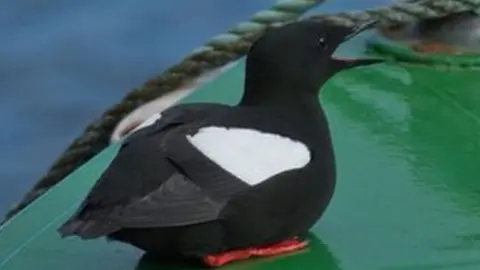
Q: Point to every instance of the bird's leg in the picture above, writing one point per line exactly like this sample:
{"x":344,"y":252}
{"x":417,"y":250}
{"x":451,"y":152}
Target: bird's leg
{"x":286,"y":246}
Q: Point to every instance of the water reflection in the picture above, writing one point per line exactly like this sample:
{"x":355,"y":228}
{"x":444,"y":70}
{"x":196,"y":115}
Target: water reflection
{"x":430,"y":120}
{"x":407,"y":147}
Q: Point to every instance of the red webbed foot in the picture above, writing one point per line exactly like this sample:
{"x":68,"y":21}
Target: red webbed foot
{"x":287,"y":246}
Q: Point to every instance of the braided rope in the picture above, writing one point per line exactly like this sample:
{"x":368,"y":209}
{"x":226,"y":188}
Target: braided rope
{"x":217,"y":52}
{"x":404,"y":12}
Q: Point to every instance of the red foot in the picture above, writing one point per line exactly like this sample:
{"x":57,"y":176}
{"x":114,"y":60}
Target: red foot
{"x":221,"y":259}
{"x":283,"y":247}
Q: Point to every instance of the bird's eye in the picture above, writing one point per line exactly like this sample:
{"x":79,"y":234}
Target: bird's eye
{"x":321,"y":43}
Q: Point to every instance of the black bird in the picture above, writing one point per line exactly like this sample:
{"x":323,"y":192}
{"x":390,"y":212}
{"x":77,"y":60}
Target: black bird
{"x":222,"y":183}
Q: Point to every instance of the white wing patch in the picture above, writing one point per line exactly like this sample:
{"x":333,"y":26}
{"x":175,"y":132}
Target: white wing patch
{"x":250,"y":155}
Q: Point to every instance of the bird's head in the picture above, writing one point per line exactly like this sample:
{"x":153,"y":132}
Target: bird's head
{"x":302,"y":52}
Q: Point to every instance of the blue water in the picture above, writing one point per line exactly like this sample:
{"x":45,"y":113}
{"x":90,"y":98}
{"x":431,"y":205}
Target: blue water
{"x":62,"y":63}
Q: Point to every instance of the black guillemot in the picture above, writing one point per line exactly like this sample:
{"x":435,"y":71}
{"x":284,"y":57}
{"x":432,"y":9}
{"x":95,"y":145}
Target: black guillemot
{"x":223,"y":183}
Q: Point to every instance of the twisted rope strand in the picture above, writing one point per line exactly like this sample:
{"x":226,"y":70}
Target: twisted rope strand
{"x":404,"y":12}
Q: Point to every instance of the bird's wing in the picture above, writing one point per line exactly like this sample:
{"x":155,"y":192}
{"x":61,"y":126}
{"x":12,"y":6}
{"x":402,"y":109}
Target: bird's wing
{"x":235,"y":151}
{"x":176,"y":202}
{"x":140,"y":165}
{"x":187,"y":174}
{"x":140,"y":180}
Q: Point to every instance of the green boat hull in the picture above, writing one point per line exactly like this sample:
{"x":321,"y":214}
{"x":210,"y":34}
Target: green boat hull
{"x":407,"y":145}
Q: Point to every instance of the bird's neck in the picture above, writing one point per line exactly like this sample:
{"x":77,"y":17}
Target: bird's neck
{"x":302,"y":108}
{"x":278,"y":96}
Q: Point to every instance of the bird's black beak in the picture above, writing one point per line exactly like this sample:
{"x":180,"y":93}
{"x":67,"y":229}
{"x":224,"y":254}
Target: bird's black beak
{"x":347,"y":62}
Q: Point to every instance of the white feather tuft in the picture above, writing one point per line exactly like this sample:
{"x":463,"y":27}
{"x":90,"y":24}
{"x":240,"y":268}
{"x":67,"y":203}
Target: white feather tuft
{"x":250,"y":155}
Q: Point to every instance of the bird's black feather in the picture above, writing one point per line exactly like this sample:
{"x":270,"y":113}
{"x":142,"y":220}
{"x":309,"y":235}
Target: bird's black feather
{"x":162,"y":194}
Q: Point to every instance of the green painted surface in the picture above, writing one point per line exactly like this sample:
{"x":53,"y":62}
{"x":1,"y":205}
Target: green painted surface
{"x":407,"y":140}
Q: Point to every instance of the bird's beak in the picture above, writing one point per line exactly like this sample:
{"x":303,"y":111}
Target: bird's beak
{"x":347,"y":62}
